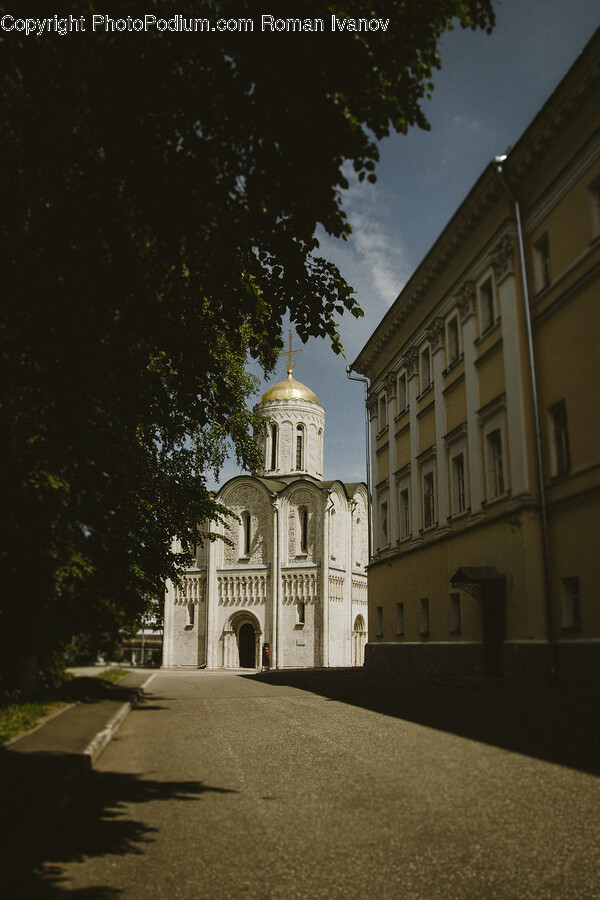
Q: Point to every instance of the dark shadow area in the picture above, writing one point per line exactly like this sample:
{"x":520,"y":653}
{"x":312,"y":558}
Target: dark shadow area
{"x":559,"y":723}
{"x":91,"y":690}
{"x":41,"y":833}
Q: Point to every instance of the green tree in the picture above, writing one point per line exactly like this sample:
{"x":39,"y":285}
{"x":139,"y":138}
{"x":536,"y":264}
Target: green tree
{"x":161,"y":193}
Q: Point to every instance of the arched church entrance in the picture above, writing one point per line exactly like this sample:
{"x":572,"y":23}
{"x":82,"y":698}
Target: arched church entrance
{"x":241,"y":641}
{"x":247,"y":646}
{"x":359,"y":639}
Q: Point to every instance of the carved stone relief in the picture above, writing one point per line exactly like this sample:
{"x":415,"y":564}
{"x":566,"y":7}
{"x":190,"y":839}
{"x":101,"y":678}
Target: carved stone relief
{"x":465,"y":300}
{"x":410,"y":361}
{"x":435,"y":334}
{"x":503,"y":258}
{"x":248,"y":499}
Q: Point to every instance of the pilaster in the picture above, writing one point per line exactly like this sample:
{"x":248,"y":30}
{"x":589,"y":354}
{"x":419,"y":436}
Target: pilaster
{"x":435,"y":333}
{"x":515,"y":377}
{"x":466,"y":305}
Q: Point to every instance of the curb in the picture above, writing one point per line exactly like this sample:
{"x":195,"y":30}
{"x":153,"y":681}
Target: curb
{"x":104,"y":737}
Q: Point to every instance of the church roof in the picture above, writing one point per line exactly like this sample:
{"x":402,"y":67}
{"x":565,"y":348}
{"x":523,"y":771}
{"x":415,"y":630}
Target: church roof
{"x":290,"y":389}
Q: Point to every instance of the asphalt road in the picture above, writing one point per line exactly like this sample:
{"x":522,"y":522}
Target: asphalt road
{"x":223,"y":786}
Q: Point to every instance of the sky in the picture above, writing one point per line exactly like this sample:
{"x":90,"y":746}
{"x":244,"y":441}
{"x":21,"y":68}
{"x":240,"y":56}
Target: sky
{"x":488,"y":90}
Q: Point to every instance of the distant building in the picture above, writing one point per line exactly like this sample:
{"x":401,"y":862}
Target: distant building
{"x":476,"y":566}
{"x":291,"y":587}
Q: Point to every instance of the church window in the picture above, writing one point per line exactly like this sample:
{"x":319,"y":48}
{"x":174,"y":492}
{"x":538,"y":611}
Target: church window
{"x":300,"y":447}
{"x":246,"y":533}
{"x":303,"y":515}
{"x":301,"y":612}
{"x":273,"y":447}
{"x":191,"y":613}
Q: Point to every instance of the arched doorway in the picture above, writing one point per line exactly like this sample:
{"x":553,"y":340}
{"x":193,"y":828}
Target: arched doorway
{"x":247,"y":646}
{"x":359,"y":639}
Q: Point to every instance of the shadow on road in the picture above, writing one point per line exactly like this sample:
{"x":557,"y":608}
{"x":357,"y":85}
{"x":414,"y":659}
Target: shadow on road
{"x":554,"y":722}
{"x":96,"y":822}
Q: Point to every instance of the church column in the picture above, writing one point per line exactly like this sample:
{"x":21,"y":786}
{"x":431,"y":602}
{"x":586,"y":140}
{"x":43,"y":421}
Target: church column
{"x":275,"y":582}
{"x":327,"y":507}
{"x":349,"y":569}
{"x":212,"y":607}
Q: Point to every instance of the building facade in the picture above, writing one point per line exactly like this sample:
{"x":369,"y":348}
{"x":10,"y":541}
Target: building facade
{"x":485,"y":418}
{"x":289,"y":588}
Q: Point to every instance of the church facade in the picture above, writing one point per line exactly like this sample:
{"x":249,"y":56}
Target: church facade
{"x":289,"y":588}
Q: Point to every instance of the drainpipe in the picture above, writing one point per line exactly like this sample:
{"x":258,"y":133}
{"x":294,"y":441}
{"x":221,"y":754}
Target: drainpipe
{"x":498,"y":164}
{"x":365,"y":381}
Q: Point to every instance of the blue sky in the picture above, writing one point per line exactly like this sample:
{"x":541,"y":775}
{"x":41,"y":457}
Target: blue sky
{"x":486,"y":93}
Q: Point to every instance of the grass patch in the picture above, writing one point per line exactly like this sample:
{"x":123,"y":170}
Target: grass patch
{"x":18,"y":717}
{"x":112,"y":675}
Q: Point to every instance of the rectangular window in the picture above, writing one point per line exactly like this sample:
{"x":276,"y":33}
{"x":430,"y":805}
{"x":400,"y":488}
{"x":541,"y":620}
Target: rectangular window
{"x":301,"y":608}
{"x":486,"y":304}
{"x":571,"y":607}
{"x":541,"y":263}
{"x":455,"y":625}
{"x":402,"y":394}
{"x":428,"y":501}
{"x":425,"y":616}
{"x":458,"y":484}
{"x":273,"y":447}
{"x":404,"y":514}
{"x":453,"y":343}
{"x":382,"y":422}
{"x":559,"y":436}
{"x":379,"y":621}
{"x":495,"y":463}
{"x":399,"y":619}
{"x":384,"y":524}
{"x":425,"y":369}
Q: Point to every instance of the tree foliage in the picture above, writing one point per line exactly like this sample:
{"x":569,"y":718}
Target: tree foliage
{"x":161,"y":193}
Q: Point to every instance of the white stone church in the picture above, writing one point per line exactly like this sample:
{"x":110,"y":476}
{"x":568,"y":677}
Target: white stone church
{"x":291,"y":590}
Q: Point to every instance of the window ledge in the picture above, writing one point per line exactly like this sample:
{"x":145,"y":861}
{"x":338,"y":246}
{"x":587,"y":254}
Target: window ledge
{"x":429,"y":528}
{"x":453,"y":517}
{"x":505,"y":496}
{"x":381,"y":432}
{"x":425,"y":391}
{"x":487,"y":331}
{"x":453,"y":364}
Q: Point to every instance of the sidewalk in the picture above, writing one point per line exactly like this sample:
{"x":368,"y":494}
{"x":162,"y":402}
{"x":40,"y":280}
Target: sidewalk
{"x":40,"y":770}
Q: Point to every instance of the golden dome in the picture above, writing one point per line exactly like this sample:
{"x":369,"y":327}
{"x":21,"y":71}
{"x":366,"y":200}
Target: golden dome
{"x":290,"y":389}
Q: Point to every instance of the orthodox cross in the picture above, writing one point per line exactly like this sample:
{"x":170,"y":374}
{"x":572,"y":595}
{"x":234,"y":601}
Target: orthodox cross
{"x":290,"y":353}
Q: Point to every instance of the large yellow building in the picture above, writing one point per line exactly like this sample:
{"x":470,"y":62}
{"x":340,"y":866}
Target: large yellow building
{"x":485,"y":418}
